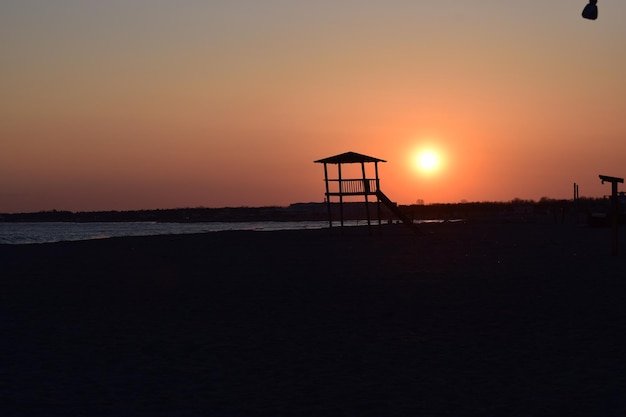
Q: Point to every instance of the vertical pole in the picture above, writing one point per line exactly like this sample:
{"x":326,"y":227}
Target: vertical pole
{"x":330,"y":216}
{"x":366,"y":190}
{"x":614,"y":209}
{"x":614,"y":217}
{"x":377,"y":189}
{"x":340,"y":194}
{"x":376,"y":172}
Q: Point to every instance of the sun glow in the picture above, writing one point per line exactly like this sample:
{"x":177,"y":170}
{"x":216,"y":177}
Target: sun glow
{"x":427,"y":161}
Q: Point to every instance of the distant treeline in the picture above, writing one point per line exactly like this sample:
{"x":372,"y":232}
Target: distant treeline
{"x":319,"y":211}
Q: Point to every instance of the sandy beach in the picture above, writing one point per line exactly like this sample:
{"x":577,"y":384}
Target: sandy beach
{"x":487,"y":318}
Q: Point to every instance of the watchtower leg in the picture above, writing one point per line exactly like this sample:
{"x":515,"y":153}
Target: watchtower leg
{"x":366,"y":190}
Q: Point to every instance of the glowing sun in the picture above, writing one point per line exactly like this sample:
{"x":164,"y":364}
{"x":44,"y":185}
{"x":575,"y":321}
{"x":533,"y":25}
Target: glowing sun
{"x":428,"y":161}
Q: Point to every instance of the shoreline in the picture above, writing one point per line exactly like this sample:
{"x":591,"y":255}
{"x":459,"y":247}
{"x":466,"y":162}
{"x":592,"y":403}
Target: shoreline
{"x":480,"y":318}
{"x":17,"y":233}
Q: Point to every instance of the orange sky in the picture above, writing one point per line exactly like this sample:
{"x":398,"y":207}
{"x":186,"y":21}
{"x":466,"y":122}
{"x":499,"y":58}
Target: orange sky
{"x":155,"y":104}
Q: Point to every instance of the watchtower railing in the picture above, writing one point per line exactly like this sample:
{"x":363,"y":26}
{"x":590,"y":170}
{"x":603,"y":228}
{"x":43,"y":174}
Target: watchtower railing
{"x":352,"y":186}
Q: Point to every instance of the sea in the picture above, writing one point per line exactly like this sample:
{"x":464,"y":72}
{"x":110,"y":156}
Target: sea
{"x":22,"y":233}
{"x":49,"y":232}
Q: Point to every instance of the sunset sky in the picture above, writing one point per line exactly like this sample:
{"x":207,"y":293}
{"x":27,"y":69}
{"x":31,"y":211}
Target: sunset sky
{"x":141,"y":104}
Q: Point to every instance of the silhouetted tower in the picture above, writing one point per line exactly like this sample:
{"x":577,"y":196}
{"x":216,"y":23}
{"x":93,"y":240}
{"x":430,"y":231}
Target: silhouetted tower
{"x":347,"y":187}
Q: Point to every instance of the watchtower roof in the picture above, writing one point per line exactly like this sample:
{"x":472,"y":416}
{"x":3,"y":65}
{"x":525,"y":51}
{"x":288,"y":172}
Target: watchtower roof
{"x":348,"y":158}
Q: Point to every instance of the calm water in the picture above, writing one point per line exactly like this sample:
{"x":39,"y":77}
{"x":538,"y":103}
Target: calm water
{"x":24,"y":233}
{"x":48,"y":232}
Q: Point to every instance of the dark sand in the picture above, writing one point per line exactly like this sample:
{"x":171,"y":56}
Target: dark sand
{"x":476,"y":319}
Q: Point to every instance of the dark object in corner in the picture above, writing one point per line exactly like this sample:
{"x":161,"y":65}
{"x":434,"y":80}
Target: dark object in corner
{"x":591,"y":10}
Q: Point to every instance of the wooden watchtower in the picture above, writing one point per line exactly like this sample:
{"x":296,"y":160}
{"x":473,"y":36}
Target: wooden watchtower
{"x":343,"y":187}
{"x":348,"y":187}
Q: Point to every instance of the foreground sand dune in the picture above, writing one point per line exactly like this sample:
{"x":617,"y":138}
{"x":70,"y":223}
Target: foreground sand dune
{"x":484,"y":319}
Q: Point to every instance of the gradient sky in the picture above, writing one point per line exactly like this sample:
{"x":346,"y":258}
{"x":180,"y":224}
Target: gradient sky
{"x":140,"y":104}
